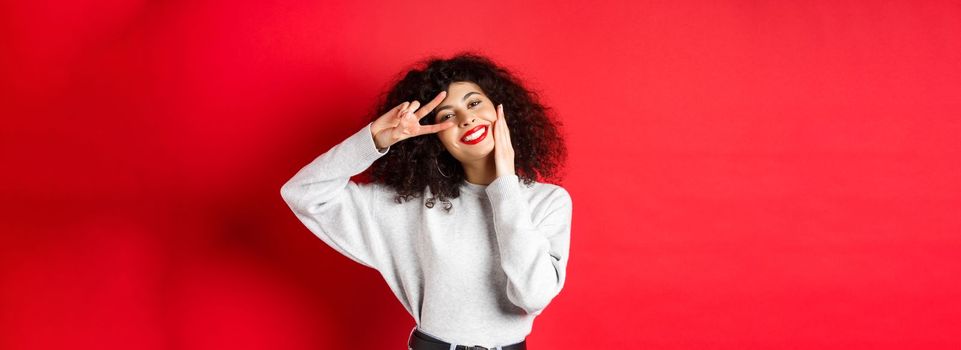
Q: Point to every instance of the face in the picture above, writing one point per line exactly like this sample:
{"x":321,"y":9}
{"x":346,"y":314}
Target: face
{"x":471,"y":139}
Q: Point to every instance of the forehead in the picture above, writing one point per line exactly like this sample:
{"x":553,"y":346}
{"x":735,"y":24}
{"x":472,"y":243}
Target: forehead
{"x":458,"y":89}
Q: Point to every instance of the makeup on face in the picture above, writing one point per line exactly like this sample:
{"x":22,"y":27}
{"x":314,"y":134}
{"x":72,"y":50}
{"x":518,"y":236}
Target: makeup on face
{"x":441,"y":115}
{"x":473,"y":112}
{"x":475,"y":135}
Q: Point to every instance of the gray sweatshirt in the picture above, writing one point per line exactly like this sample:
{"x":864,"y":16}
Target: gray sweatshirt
{"x":477,"y":275}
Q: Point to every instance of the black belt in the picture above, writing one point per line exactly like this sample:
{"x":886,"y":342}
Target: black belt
{"x":420,"y":341}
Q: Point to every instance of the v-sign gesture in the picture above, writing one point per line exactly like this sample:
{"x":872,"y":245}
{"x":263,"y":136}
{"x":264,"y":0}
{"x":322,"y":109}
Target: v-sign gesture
{"x":403,"y":122}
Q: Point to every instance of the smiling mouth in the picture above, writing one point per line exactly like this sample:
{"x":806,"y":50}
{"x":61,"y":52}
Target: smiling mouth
{"x":475,"y":135}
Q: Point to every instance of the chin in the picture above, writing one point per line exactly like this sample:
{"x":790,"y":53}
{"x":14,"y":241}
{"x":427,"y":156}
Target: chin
{"x":475,"y":156}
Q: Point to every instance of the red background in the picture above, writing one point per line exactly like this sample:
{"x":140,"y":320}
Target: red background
{"x":744,"y":174}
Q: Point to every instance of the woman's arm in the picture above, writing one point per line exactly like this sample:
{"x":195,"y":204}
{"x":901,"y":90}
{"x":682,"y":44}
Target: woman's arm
{"x":533,"y":256}
{"x":335,"y":209}
{"x":338,"y":210}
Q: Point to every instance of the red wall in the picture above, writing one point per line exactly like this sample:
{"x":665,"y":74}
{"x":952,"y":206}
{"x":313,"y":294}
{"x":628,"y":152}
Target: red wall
{"x":744,"y":174}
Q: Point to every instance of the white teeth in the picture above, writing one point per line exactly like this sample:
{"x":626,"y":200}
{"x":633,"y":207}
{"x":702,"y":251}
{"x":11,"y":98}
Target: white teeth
{"x":475,"y":134}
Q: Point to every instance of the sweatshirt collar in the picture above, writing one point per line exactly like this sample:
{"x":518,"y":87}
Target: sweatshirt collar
{"x":475,"y":189}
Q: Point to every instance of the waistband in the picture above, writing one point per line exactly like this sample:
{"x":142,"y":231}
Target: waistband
{"x":418,"y":340}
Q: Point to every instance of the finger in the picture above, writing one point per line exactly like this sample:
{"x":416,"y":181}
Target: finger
{"x":500,"y":111}
{"x":399,"y":107}
{"x":413,"y":107}
{"x":399,"y":110}
{"x":393,"y":112}
{"x":431,"y":105}
{"x":500,"y":121}
{"x":398,"y":113}
{"x":505,"y":133}
{"x":433,"y":128}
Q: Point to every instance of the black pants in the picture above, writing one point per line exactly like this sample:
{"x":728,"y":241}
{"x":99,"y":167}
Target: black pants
{"x":420,"y":341}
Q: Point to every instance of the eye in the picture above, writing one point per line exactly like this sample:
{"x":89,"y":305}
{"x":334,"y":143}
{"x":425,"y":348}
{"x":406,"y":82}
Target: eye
{"x":473,"y":103}
{"x":443,"y":118}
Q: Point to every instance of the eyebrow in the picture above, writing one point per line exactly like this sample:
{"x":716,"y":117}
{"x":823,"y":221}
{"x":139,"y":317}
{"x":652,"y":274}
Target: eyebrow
{"x":462,"y":99}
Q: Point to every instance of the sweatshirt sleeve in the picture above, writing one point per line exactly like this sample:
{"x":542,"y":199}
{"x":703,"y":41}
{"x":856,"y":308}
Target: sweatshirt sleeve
{"x":533,"y":255}
{"x":332,"y":207}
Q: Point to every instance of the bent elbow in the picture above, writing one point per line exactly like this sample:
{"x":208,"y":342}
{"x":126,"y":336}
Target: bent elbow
{"x":289,"y":192}
{"x":534,"y":308}
{"x":532,"y":303}
{"x":285,"y":192}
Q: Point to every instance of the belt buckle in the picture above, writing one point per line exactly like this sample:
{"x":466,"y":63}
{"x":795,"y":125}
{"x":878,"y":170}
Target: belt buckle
{"x":477,"y":347}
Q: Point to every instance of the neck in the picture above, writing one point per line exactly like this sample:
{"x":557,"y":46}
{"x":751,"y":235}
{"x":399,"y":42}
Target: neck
{"x":481,"y":171}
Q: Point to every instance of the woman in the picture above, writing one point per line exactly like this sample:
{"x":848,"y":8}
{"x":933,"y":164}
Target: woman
{"x":477,"y":270}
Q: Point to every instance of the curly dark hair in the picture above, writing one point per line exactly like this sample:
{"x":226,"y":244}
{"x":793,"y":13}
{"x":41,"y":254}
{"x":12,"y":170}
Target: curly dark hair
{"x":412,"y":165}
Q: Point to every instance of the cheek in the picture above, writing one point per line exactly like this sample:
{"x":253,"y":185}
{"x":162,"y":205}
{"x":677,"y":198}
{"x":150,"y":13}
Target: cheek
{"x":447,"y":137}
{"x":488,"y":112}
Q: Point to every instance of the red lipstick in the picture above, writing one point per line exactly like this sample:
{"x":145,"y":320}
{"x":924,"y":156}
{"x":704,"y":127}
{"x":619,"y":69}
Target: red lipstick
{"x":473,"y":130}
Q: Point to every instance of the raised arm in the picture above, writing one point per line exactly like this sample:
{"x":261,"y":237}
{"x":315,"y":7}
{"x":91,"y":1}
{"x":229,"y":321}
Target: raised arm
{"x":533,"y":254}
{"x":335,"y":209}
{"x":338,"y":210}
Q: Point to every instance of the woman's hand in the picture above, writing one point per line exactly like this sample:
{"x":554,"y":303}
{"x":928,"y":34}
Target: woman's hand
{"x":403,"y":122}
{"x":503,"y":150}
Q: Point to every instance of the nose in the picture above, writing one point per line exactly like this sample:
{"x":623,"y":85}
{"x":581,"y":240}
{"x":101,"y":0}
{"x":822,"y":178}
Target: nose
{"x":468,"y":118}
